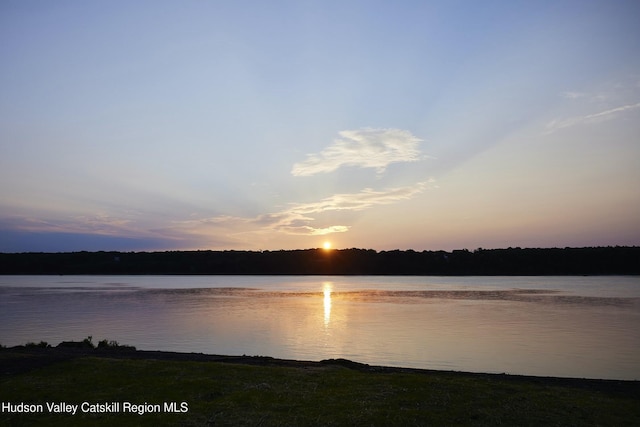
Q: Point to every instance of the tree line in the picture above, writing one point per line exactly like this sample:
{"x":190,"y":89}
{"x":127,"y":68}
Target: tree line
{"x":510,"y":261}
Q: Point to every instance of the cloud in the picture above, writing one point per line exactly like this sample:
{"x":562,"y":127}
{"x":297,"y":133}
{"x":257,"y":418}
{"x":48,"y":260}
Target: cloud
{"x":358,"y":201}
{"x":558,"y":124}
{"x":299,"y":218}
{"x":584,"y":96}
{"x":98,"y":224}
{"x":366,"y":148}
{"x":45,"y":241}
{"x":89,"y":233}
{"x":308,"y":230}
{"x":291,"y":220}
{"x":573,"y":95}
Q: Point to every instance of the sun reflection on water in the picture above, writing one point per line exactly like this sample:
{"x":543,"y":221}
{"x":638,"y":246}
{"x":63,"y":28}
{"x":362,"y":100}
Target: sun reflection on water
{"x":327,"y":287}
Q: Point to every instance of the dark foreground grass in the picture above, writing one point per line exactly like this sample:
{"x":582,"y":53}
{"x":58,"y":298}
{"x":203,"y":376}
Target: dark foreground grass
{"x":302,"y":394}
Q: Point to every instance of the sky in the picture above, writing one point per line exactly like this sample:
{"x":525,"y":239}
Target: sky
{"x":249,"y":125}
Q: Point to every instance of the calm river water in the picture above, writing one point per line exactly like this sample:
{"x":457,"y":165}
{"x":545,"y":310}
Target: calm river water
{"x":550,"y":326}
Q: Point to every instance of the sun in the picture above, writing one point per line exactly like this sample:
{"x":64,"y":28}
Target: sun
{"x":326,"y":245}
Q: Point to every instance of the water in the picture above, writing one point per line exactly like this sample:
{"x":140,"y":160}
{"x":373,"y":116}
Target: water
{"x":550,"y":326}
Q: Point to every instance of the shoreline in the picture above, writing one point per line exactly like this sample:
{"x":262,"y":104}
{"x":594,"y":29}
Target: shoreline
{"x":91,"y":386}
{"x":21,"y":359}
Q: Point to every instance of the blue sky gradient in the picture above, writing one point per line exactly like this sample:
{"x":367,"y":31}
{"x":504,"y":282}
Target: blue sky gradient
{"x":155,"y":125}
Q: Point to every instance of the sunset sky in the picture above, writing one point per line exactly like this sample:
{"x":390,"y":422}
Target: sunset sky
{"x":163,"y":125}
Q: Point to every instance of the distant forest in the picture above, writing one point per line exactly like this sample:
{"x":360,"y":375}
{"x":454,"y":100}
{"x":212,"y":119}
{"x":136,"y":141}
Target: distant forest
{"x":511,"y":261}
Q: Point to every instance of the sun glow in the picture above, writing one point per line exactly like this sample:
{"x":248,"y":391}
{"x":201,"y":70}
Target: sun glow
{"x":326,"y":245}
{"x":327,"y":288}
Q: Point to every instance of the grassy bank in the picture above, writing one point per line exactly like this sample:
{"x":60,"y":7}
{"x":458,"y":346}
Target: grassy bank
{"x":268,"y":392}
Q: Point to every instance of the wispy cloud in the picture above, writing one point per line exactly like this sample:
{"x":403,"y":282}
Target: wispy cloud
{"x":558,"y":124}
{"x":300,"y":218}
{"x":99,"y":224}
{"x":585,"y":96}
{"x":573,"y":95}
{"x":103,"y":223}
{"x":289,"y":220}
{"x":366,"y":148}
